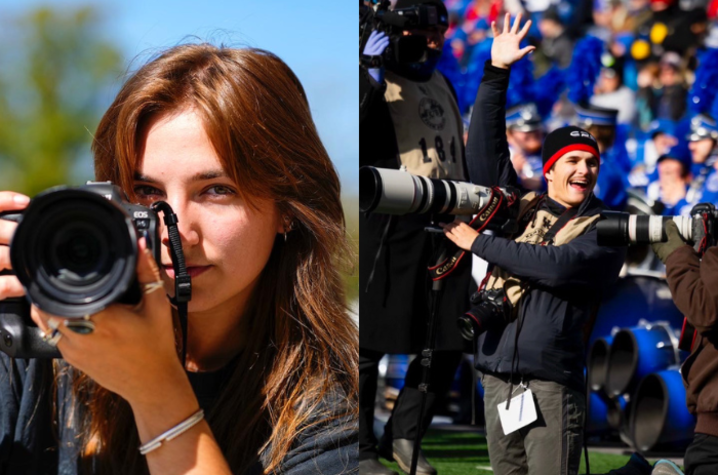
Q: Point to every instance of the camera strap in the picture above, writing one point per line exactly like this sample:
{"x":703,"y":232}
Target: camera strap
{"x":183,"y":281}
{"x":565,"y":217}
{"x":547,"y":239}
{"x":496,"y":201}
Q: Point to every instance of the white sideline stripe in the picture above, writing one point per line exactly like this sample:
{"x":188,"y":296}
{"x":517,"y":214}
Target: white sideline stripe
{"x":488,"y":469}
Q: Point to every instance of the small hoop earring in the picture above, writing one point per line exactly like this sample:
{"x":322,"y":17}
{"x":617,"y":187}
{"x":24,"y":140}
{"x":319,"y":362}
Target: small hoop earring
{"x":288,"y":226}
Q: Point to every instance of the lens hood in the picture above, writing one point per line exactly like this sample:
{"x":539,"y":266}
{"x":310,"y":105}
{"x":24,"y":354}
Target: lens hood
{"x":74,"y":251}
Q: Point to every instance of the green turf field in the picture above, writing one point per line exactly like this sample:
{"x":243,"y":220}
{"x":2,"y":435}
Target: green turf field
{"x":460,"y":453}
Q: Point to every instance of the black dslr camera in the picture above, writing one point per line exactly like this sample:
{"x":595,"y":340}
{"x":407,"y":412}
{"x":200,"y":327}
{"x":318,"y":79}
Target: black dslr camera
{"x":402,"y":49}
{"x":75,"y":252}
{"x":490,"y":309}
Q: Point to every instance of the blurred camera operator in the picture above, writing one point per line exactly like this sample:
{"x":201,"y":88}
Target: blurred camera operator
{"x":551,"y":272}
{"x":694,"y":286}
{"x":409,"y":117}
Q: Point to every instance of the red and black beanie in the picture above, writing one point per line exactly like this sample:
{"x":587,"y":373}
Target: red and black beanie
{"x":567,"y":139}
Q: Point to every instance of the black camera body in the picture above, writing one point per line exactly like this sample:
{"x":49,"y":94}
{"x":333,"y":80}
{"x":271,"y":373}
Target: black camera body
{"x":402,"y":49}
{"x":490,"y":309}
{"x":75,"y":252}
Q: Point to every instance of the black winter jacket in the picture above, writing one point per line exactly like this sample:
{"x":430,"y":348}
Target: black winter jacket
{"x":565,"y":282}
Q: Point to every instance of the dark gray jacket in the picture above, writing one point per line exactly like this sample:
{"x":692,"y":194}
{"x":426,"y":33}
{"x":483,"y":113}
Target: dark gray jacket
{"x":565,"y":282}
{"x":31,"y":443}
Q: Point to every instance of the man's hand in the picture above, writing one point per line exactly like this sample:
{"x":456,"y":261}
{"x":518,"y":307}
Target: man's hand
{"x":506,"y":49}
{"x":665,"y":249}
{"x":460,"y":234}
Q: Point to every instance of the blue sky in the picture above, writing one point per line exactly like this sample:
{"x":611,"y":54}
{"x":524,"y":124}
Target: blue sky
{"x":316,"y":39}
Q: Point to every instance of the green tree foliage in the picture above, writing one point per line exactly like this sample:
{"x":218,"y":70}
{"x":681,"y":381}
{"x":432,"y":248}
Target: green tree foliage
{"x":56,"y":72}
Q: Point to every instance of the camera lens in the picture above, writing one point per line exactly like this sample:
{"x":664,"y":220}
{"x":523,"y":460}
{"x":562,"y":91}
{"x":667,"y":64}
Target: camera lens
{"x":612,"y":229}
{"x":466,"y":328}
{"x":619,"y":229}
{"x":389,"y":191}
{"x":78,"y":255}
{"x":74,"y":251}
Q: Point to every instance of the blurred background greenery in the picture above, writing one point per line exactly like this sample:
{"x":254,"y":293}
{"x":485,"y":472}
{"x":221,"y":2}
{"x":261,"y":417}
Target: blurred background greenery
{"x":51,"y":86}
{"x":64,"y":61}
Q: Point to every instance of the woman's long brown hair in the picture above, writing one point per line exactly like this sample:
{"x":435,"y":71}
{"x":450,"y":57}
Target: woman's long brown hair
{"x":303,"y":345}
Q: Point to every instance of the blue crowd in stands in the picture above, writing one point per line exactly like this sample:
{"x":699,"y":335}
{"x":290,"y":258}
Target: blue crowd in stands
{"x":640,"y":75}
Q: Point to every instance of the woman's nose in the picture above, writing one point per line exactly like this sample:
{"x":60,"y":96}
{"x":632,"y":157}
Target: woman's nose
{"x":186,"y":224}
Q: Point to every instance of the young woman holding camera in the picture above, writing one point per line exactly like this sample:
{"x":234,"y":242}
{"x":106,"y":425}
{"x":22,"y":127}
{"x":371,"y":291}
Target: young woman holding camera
{"x":225,"y":136}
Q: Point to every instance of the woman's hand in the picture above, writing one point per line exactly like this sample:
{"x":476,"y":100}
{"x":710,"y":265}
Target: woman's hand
{"x":9,"y":201}
{"x":506,"y":48}
{"x":131,"y":351}
{"x":460,"y":234}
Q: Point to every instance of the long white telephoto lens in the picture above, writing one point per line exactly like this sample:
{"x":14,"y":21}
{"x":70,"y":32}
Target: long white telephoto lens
{"x":620,"y":229}
{"x":648,"y":229}
{"x":388,"y":191}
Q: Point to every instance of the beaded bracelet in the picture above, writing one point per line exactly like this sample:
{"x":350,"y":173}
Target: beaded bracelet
{"x":180,"y":428}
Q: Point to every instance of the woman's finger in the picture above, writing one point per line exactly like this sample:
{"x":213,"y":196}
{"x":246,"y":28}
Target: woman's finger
{"x":37,"y":318}
{"x":148,"y":274}
{"x":9,"y":200}
{"x":49,"y":323}
{"x":507,"y":22}
{"x":494,"y":29}
{"x":147,"y":269}
{"x":56,"y":326}
{"x":7,"y":229}
{"x":5,"y":258}
{"x":10,"y":287}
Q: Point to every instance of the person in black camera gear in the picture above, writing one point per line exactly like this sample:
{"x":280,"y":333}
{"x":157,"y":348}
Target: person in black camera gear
{"x":409,"y":117}
{"x":552,"y":271}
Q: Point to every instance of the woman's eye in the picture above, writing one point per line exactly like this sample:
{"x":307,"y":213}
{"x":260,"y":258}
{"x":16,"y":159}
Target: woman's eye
{"x":220,"y":190}
{"x":145,"y":191}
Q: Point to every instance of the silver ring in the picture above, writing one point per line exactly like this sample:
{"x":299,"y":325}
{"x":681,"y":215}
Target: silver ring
{"x":82,"y":327}
{"x":152,"y":286}
{"x":52,"y":338}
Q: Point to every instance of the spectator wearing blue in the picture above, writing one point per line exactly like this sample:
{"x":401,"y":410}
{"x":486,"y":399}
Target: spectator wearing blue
{"x":524,"y":132}
{"x":671,"y":187}
{"x":612,"y":181}
{"x":658,"y":140}
{"x":702,"y":144}
{"x":610,"y":92}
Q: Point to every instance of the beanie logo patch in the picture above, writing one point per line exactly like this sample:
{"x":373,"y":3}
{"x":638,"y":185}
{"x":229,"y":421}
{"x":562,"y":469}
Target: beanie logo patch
{"x":581,"y":133}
